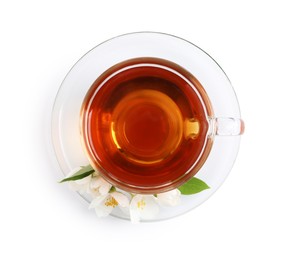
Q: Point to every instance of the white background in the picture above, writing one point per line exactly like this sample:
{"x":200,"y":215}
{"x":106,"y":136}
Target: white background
{"x":249,"y":217}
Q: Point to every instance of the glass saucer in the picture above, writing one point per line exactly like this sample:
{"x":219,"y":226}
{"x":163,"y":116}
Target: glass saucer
{"x":66,"y":111}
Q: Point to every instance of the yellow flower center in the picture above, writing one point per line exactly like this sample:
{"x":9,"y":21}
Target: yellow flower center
{"x":141,"y":204}
{"x":111,"y":202}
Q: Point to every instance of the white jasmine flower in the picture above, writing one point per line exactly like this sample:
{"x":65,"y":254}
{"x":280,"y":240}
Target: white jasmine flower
{"x":81,"y":185}
{"x":143,"y":207}
{"x":104,"y":204}
{"x":98,"y":186}
{"x":93,"y":184}
{"x":169,"y":198}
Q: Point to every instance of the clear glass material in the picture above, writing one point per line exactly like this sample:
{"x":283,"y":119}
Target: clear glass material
{"x":225,"y":122}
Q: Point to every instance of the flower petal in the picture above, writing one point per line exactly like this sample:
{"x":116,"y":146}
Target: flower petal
{"x":95,"y":182}
{"x":81,"y":186}
{"x":102,"y":210}
{"x":151,"y":209}
{"x":104,"y":186}
{"x":134,"y":216}
{"x":121,"y":199}
{"x":97,"y":201}
{"x":169,"y":198}
{"x":143,"y":207}
{"x":74,"y":186}
{"x":98,"y":186}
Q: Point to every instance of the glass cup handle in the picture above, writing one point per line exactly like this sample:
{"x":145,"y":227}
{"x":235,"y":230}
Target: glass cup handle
{"x":226,"y":126}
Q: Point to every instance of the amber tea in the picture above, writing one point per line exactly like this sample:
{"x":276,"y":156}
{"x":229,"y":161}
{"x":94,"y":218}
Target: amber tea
{"x":144,"y":125}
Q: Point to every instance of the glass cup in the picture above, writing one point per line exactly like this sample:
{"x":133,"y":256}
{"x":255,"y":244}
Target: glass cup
{"x":148,"y":125}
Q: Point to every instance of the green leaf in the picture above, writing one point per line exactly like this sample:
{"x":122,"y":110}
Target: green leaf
{"x":193,"y":186}
{"x":82,"y":173}
{"x":112,"y":189}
